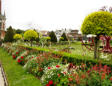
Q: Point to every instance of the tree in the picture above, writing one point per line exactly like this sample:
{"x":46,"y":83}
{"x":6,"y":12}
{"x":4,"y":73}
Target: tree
{"x":9,"y":35}
{"x":17,"y":36}
{"x":53,"y":36}
{"x":30,"y":35}
{"x":64,"y":38}
{"x":97,"y":23}
{"x":19,"y":31}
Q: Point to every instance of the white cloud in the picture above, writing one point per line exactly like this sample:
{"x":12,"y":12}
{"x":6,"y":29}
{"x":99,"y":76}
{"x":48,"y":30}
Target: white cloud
{"x":50,"y":14}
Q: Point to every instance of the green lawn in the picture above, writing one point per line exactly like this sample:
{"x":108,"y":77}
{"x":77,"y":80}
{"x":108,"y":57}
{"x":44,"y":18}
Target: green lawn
{"x":78,"y":50}
{"x":15,"y":73}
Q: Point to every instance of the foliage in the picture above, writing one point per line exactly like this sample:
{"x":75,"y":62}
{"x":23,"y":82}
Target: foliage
{"x":15,"y":54}
{"x":9,"y":35}
{"x":17,"y":36}
{"x":61,"y":38}
{"x":32,"y":66}
{"x":21,"y":58}
{"x":53,"y":36}
{"x":19,"y":31}
{"x":71,"y":57}
{"x":55,"y":73}
{"x":98,"y":23}
{"x":66,"y":71}
{"x":30,"y":35}
{"x":16,"y":76}
{"x":48,"y":38}
{"x":64,"y":37}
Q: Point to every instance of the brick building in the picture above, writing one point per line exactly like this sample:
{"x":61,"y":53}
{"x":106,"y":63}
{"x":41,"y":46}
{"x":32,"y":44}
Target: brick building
{"x":2,"y":22}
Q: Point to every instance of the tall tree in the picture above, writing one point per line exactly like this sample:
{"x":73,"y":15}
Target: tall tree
{"x":19,"y":31}
{"x":30,"y":35}
{"x":9,"y":35}
{"x":97,"y":23}
{"x":53,"y":36}
{"x":64,"y":37}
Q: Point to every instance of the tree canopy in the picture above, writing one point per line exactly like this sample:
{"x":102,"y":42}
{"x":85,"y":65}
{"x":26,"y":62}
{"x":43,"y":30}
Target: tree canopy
{"x":53,"y":36}
{"x":17,"y":36}
{"x":63,"y":37}
{"x":98,"y":23}
{"x":30,"y":35}
{"x":19,"y":31}
{"x":9,"y":35}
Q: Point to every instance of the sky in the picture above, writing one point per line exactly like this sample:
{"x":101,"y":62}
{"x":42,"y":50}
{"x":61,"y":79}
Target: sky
{"x":49,"y":14}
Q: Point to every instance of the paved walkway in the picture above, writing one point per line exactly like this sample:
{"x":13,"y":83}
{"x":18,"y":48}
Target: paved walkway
{"x":1,"y":78}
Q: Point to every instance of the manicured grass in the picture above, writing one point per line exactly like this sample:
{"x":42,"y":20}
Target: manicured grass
{"x":15,"y":73}
{"x":78,"y":49}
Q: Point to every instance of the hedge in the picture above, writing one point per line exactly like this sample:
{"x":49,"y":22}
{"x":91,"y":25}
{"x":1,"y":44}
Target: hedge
{"x":71,"y":58}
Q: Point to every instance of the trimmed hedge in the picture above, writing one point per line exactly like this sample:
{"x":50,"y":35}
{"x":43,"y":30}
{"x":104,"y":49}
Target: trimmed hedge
{"x":71,"y":58}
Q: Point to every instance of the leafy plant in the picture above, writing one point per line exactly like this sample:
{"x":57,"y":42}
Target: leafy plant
{"x":30,"y":35}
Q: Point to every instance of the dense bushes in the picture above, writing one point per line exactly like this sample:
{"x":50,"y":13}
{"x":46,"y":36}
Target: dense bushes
{"x":54,"y":69}
{"x":9,"y":35}
{"x":70,"y":57}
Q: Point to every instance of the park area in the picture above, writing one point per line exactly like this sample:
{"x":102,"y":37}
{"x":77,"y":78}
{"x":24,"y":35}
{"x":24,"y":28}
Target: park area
{"x":30,"y":59}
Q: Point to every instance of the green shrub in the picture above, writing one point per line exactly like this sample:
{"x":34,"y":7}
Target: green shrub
{"x":30,"y":35}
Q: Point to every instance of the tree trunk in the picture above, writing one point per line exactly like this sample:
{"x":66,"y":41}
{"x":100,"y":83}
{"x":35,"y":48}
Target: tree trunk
{"x":96,"y":52}
{"x":31,"y":43}
{"x":107,"y":47}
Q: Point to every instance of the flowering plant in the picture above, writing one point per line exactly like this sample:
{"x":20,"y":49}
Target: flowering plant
{"x":32,"y":66}
{"x":57,"y":74}
{"x":21,"y":58}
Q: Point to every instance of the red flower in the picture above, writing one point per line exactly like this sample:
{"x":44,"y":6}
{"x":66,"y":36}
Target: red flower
{"x":57,"y":66}
{"x":47,"y":85}
{"x":37,"y":57}
{"x":50,"y":82}
{"x":16,"y":52}
{"x":19,"y":60}
{"x":32,"y":57}
{"x":13,"y":56}
{"x":83,"y":76}
{"x":58,"y":75}
{"x":110,"y":78}
{"x":88,"y":71}
{"x":103,"y":76}
{"x":70,"y":79}
{"x":64,"y":72}
{"x":49,"y":67}
{"x":22,"y":57}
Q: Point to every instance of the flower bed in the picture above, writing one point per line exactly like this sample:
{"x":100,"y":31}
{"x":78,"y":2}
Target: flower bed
{"x":53,"y":71}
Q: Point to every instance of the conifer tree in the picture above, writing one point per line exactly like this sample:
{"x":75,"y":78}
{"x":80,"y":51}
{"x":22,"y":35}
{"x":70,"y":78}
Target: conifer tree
{"x":64,"y":37}
{"x":9,"y":35}
{"x":53,"y":36}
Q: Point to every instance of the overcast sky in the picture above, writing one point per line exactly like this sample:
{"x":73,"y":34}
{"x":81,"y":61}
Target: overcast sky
{"x":49,"y":14}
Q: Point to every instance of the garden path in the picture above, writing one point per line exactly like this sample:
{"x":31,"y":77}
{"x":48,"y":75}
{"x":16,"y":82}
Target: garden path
{"x":1,"y":78}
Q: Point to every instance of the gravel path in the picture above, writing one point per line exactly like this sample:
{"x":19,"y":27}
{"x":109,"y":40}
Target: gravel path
{"x":1,"y":78}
